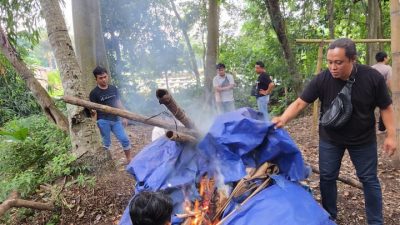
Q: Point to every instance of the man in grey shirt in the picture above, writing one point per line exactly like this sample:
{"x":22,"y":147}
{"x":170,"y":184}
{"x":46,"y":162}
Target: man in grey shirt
{"x":223,"y":85}
{"x":383,"y":68}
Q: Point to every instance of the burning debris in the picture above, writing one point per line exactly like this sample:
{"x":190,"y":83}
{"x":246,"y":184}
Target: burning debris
{"x":240,"y":171}
{"x":241,"y":164}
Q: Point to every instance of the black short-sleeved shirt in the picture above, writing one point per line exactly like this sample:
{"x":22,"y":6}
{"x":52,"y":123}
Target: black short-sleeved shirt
{"x":263,"y":82}
{"x":368,"y":92}
{"x":108,"y":97}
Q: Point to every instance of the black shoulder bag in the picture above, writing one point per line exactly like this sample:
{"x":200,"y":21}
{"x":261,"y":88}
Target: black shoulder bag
{"x":340,"y":110}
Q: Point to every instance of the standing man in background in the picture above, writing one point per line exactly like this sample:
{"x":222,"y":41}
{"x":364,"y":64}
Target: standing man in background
{"x":106,"y":94}
{"x":383,"y":68}
{"x":223,"y":85}
{"x":264,"y":88}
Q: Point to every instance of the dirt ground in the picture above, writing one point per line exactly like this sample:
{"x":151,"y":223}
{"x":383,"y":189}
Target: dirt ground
{"x":104,"y":202}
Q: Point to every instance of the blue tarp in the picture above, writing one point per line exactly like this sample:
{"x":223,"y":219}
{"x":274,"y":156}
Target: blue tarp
{"x":236,"y":140}
{"x":284,"y":203}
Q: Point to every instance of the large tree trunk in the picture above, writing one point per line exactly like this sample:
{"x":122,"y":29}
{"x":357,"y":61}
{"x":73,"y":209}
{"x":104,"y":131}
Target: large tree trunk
{"x":89,"y":39}
{"x":85,"y":138}
{"x":192,"y":56}
{"x":279,"y":26}
{"x":212,"y":48}
{"x":395,"y":34}
{"x":331,"y":17}
{"x":374,"y":26}
{"x":40,"y":94}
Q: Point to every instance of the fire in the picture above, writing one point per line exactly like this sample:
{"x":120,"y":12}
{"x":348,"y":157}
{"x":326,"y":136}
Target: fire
{"x":203,"y":209}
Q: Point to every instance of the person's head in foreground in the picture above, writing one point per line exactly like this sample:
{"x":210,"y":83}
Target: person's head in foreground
{"x":151,"y":208}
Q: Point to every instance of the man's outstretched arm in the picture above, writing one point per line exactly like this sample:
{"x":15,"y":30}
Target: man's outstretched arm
{"x":291,"y":112}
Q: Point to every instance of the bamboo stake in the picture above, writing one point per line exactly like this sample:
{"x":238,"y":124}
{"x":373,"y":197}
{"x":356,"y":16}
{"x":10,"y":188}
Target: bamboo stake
{"x":323,"y":41}
{"x":126,"y":114}
{"x":395,"y":34}
{"x":316,"y":103}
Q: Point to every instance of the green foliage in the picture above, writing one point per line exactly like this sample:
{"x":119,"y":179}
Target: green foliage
{"x":55,"y":84}
{"x":20,"y":18}
{"x":84,"y":180}
{"x":42,"y":156}
{"x":15,"y":98}
{"x":20,"y":134}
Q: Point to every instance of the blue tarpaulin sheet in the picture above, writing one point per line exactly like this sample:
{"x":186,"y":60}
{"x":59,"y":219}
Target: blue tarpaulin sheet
{"x":235,"y":141}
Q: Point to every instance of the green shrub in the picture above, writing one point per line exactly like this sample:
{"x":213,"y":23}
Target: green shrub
{"x":40,"y":157}
{"x":15,"y":98}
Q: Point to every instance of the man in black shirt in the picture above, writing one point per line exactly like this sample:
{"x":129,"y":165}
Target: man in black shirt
{"x":264,"y":89}
{"x":106,"y":94}
{"x":357,"y":135}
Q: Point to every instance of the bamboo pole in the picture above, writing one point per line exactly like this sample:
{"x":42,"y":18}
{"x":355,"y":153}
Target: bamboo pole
{"x":395,"y":35}
{"x":180,"y":137}
{"x":165,"y":98}
{"x":305,"y":41}
{"x":316,"y":103}
{"x":126,"y":114}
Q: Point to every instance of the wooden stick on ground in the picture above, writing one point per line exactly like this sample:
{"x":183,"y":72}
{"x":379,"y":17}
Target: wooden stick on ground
{"x":127,"y":114}
{"x":346,"y":180}
{"x":14,"y":201}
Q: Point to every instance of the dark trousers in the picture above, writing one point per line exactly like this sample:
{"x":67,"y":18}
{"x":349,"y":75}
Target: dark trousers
{"x":364,"y":159}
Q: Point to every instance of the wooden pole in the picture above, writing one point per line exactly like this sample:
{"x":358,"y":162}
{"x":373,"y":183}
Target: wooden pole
{"x":126,"y":114}
{"x":346,"y":180}
{"x":165,"y":98}
{"x":316,"y":103}
{"x":180,"y":137}
{"x":395,"y":35}
{"x":305,"y":41}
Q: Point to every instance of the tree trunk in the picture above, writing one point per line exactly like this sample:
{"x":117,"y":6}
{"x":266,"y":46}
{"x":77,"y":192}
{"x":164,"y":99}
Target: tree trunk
{"x":192,"y":56}
{"x":40,"y":94}
{"x":212,"y":48}
{"x":374,"y":26}
{"x":279,"y":26}
{"x":85,"y":138}
{"x":89,"y":39}
{"x":331,"y":17}
{"x":395,"y":34}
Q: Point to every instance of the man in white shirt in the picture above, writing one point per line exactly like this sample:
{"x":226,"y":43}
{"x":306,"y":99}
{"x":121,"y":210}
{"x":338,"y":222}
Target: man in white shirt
{"x":223,"y":85}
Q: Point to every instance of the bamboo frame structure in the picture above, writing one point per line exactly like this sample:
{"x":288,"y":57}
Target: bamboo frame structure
{"x":327,"y":41}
